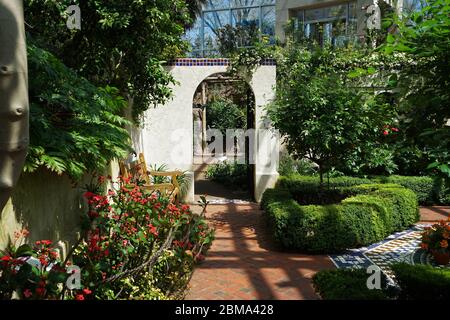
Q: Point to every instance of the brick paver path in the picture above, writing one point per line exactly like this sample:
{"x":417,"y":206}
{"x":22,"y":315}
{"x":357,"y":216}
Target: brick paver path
{"x":243,"y":264}
{"x":434,"y":213}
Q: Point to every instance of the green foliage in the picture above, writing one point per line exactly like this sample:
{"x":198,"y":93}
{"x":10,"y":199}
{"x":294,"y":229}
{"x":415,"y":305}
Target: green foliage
{"x":139,"y":244}
{"x":230,"y":38}
{"x":31,"y":271}
{"x":416,"y":282}
{"x":289,"y":166}
{"x":307,"y":189}
{"x":121,"y":43}
{"x":230,"y":174}
{"x":324,"y":112}
{"x":422,"y":282}
{"x":224,"y":114}
{"x":74,"y":126}
{"x":367,"y":217}
{"x":422,"y":83}
{"x":244,"y":61}
{"x":429,"y":190}
{"x":346,"y":284}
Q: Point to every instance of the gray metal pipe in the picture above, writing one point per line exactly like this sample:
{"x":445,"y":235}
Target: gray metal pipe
{"x":14,"y":109}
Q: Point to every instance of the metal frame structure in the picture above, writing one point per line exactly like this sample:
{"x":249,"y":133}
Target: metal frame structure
{"x":346,"y":15}
{"x":230,"y":9}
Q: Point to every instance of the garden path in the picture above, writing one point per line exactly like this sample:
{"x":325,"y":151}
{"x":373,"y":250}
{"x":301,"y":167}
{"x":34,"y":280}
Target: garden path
{"x":243,"y":264}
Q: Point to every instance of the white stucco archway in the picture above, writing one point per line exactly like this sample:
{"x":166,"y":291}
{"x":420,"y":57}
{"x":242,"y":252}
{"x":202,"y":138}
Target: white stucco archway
{"x":167,"y":133}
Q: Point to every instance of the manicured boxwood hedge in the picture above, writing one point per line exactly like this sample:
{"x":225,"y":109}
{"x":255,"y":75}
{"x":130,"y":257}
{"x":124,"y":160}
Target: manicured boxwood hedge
{"x":422,"y":282}
{"x":347,"y":284}
{"x":368,"y":215}
{"x":429,"y":190}
{"x":416,"y":282}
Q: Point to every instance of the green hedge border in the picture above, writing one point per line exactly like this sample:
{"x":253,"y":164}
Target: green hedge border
{"x":368,"y":215}
{"x":429,"y":190}
{"x":416,"y":282}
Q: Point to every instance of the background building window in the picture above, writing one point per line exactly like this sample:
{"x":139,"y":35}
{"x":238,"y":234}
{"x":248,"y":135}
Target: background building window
{"x":254,"y":16}
{"x":331,"y":24}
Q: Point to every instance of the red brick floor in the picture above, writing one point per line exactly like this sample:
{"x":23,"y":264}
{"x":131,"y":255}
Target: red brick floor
{"x":243,"y":264}
{"x":435,"y":213}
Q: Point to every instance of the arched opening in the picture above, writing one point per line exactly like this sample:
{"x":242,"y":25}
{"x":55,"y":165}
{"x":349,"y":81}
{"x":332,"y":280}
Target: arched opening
{"x":223,"y":115}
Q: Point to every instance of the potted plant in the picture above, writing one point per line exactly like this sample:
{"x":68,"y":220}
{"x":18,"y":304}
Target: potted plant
{"x":436,"y":240}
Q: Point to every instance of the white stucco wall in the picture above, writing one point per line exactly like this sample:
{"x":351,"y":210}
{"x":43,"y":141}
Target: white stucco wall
{"x":167,"y":133}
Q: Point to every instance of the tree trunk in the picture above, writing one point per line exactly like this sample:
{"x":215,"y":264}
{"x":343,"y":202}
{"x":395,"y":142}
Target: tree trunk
{"x":13,"y":96}
{"x":321,"y":175}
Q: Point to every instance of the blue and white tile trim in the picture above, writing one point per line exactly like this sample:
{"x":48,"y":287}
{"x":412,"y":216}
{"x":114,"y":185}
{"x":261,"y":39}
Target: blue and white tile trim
{"x":400,"y":247}
{"x":205,"y":62}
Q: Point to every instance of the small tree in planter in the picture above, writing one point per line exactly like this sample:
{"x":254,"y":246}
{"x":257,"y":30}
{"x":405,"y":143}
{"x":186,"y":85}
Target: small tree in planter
{"x":324,"y":112}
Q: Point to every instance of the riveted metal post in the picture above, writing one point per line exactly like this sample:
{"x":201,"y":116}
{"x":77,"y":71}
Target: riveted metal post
{"x":14,"y":131}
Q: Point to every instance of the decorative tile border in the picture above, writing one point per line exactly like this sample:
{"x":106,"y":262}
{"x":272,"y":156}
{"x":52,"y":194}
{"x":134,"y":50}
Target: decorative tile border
{"x":229,"y":201}
{"x":399,"y":247}
{"x":209,"y":62}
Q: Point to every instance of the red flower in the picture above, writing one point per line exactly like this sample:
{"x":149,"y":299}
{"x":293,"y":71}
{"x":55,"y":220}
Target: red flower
{"x":152,"y":230}
{"x":88,"y":195}
{"x":46,"y":242}
{"x":27,"y":293}
{"x":79,"y":297}
{"x":54,"y":254}
{"x":40,"y":291}
{"x":394,"y":129}
{"x":6,"y":258}
{"x":87,"y":291}
{"x":43,"y":260}
{"x":385,"y":132}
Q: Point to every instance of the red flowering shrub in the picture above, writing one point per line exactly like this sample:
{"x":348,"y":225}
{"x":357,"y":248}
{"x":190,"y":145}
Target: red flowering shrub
{"x":131,"y":234}
{"x":32,"y":272}
{"x":136,"y":245}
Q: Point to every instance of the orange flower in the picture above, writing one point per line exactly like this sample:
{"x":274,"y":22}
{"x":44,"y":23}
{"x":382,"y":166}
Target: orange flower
{"x":424,"y":246}
{"x":444,"y":244}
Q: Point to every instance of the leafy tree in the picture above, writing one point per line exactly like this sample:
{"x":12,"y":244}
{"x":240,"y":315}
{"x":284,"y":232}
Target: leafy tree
{"x":121,"y":42}
{"x":422,"y":39}
{"x":327,"y":116}
{"x":224,"y":114}
{"x":74,"y":126}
